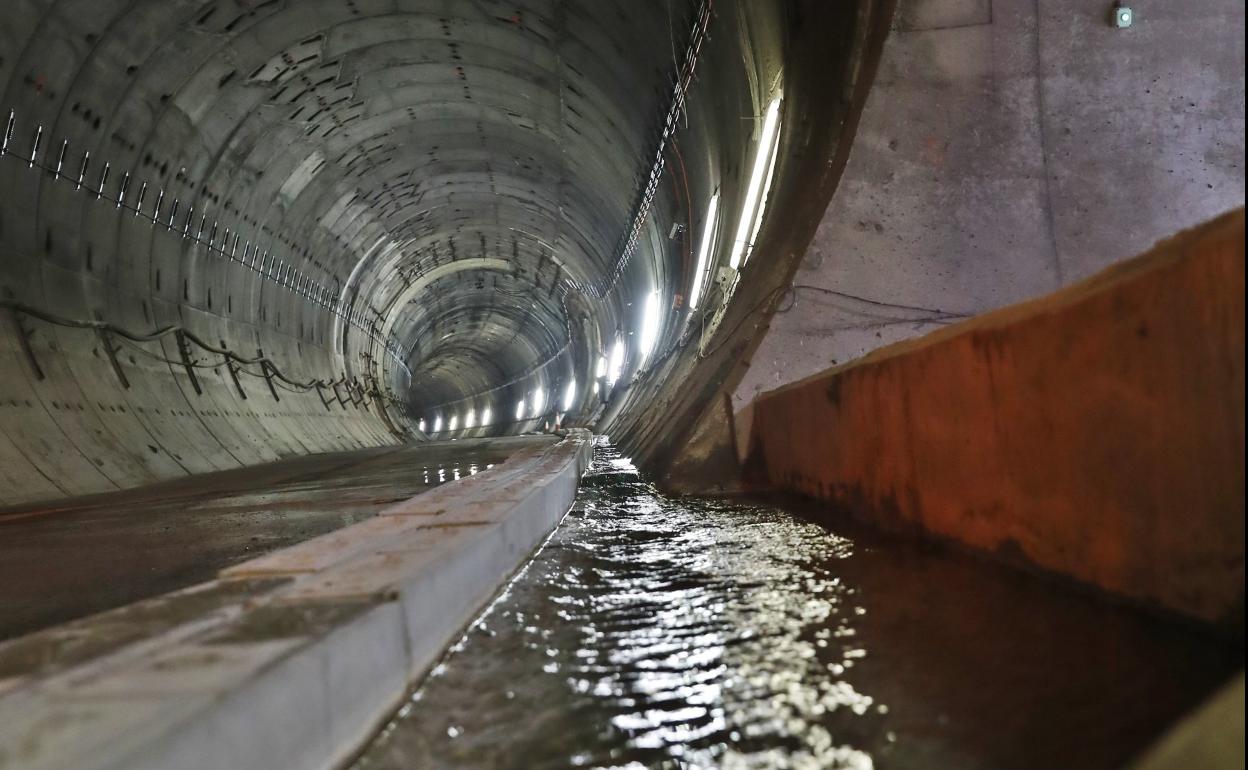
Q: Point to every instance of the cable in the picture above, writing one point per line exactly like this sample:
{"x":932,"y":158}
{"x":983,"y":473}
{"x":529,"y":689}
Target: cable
{"x":878,"y":303}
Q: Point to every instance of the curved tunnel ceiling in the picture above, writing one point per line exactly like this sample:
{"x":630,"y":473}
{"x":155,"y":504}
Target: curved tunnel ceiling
{"x":436,"y":194}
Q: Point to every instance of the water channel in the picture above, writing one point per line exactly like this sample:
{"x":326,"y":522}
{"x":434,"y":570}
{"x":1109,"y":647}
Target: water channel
{"x":655,"y":632}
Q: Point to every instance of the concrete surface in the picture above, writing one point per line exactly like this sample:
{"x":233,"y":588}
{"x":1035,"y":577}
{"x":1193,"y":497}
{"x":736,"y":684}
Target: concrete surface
{"x":429,"y":198}
{"x":1096,"y":433}
{"x":1211,"y":738}
{"x":64,"y":560}
{"x":1008,"y":148}
{"x":290,"y":660}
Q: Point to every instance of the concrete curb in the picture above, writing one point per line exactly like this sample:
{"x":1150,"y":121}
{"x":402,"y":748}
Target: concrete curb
{"x":300,"y":673}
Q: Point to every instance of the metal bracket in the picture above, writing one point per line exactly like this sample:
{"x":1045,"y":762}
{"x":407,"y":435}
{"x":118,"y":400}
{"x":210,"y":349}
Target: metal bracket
{"x":188,"y":363}
{"x":233,"y":367}
{"x":268,"y":378}
{"x":23,"y":338}
{"x":324,"y":401}
{"x":106,"y":340}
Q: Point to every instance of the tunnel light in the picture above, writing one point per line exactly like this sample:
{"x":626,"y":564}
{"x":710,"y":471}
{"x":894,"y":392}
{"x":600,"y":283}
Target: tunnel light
{"x":421,"y":426}
{"x":454,"y":423}
{"x":520,"y":410}
{"x":569,"y":396}
{"x":601,"y":370}
{"x":539,"y":401}
{"x":616,"y":366}
{"x":487,"y":416}
{"x":760,"y":184}
{"x":649,"y":325}
{"x":597,"y":389}
{"x":471,"y":420}
{"x":437,"y":424}
{"x":704,"y":251}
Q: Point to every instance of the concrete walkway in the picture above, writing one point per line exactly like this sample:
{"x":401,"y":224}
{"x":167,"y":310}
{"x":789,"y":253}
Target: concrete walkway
{"x":69,"y":559}
{"x":290,"y":660}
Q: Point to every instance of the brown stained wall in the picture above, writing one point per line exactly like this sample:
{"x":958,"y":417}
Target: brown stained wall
{"x":1097,"y":433}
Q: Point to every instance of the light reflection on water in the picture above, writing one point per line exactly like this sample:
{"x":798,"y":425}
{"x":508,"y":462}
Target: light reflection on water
{"x":456,"y":473}
{"x":696,"y":636}
{"x":653,"y":632}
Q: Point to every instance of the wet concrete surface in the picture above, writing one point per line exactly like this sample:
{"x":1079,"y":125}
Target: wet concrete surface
{"x":658,"y":632}
{"x":73,"y":558}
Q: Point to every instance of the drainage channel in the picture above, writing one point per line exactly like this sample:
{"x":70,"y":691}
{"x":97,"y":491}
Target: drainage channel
{"x":657,"y":632}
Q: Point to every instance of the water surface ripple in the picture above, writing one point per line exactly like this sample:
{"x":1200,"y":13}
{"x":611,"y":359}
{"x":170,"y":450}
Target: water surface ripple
{"x":652,"y":632}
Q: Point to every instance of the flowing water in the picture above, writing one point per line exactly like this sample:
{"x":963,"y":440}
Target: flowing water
{"x":655,"y":632}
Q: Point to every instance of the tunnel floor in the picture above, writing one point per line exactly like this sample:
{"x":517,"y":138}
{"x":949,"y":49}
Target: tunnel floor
{"x":654,"y":632}
{"x":73,"y":558}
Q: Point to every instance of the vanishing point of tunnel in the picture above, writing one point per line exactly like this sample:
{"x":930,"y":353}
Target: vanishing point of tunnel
{"x":621,"y":384}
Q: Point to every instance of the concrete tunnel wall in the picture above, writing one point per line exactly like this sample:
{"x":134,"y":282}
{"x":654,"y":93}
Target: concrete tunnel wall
{"x":276,"y":176}
{"x":1008,"y":148}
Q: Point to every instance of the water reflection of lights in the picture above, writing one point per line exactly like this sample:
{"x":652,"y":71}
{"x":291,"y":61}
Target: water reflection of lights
{"x":653,"y":632}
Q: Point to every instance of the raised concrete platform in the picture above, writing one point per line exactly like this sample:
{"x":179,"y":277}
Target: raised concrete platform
{"x":1096,"y":433}
{"x":67,"y":559}
{"x":291,"y":660}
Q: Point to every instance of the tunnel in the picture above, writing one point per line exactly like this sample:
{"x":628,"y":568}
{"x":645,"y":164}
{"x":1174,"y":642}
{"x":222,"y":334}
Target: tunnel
{"x":454,"y":212}
{"x":341,"y":333}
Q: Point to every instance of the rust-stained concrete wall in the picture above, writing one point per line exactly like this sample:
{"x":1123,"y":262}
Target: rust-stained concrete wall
{"x":1097,"y":433}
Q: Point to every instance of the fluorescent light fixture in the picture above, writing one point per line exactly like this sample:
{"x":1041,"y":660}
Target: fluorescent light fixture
{"x":471,"y":420}
{"x":760,"y":183}
{"x":520,"y":410}
{"x":596,"y":388}
{"x":601,"y":370}
{"x":616,"y":366}
{"x":454,"y":423}
{"x":539,"y":401}
{"x":704,"y":251}
{"x":762,"y":206}
{"x":487,"y":416}
{"x":421,"y":426}
{"x":649,"y":325}
{"x":437,"y":424}
{"x":569,"y":395}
